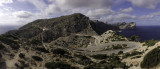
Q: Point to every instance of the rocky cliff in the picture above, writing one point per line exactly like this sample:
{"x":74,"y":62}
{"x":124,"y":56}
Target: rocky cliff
{"x":124,"y":25}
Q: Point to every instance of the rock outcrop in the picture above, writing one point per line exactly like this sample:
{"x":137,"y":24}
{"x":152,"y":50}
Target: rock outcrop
{"x":123,"y":25}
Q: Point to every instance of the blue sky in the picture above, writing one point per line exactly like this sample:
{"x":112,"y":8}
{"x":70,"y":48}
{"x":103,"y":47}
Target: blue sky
{"x":21,"y":12}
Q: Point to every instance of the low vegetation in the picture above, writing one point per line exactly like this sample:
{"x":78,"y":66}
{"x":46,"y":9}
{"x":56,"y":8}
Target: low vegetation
{"x":113,"y":61}
{"x":13,"y":44}
{"x":59,"y":51}
{"x":83,"y":60}
{"x":131,"y":54}
{"x":21,"y":55}
{"x":37,"y":58}
{"x":151,"y":59}
{"x":150,"y":42}
{"x":58,"y":65}
{"x":100,"y":56}
{"x":35,"y":42}
{"x":1,"y":46}
{"x":42,"y":50}
{"x":134,"y":38}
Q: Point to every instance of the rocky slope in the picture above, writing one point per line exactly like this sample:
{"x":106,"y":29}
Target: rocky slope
{"x":72,"y":42}
{"x":46,"y":43}
{"x":123,"y":25}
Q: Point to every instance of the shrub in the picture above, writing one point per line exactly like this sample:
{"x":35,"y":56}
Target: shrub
{"x":42,"y":50}
{"x":59,"y":51}
{"x":10,"y":36}
{"x":118,"y":46}
{"x":150,"y":42}
{"x":83,"y":60}
{"x":12,"y":43}
{"x":131,"y":54}
{"x":81,"y":57}
{"x":120,"y":52}
{"x":58,"y":65}
{"x":151,"y":59}
{"x":134,"y":38}
{"x":99,"y":56}
{"x":102,"y":62}
{"x":112,"y":63}
{"x":21,"y":55}
{"x":36,"y":42}
{"x":1,"y":46}
{"x":37,"y":58}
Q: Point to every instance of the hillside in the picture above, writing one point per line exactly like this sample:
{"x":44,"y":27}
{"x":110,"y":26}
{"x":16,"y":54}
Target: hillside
{"x":69,"y":42}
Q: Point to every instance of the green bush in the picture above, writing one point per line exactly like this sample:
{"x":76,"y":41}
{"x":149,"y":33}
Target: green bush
{"x":21,"y":55}
{"x":99,"y":56}
{"x":36,"y":42}
{"x":83,"y":60}
{"x":12,"y":43}
{"x":10,"y":36}
{"x":58,"y":65}
{"x":42,"y":50}
{"x":1,"y":46}
{"x":134,"y":38}
{"x":151,"y":42}
{"x":151,"y":59}
{"x":120,"y":52}
{"x":59,"y":51}
{"x":118,"y":46}
{"x":37,"y":58}
{"x":131,"y":54}
{"x":81,"y":57}
{"x":113,"y":62}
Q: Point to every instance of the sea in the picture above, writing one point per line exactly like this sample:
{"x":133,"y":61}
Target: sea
{"x":144,"y":32}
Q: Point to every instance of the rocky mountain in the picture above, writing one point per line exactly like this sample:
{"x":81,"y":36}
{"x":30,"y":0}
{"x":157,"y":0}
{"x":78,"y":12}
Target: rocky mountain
{"x":47,"y":43}
{"x":75,"y":42}
{"x":52,"y":29}
{"x":124,"y":25}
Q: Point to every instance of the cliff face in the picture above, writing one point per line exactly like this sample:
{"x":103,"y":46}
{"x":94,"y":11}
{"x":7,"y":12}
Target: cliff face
{"x":123,"y":25}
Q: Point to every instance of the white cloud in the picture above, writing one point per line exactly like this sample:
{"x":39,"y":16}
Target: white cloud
{"x":39,"y":4}
{"x":98,"y":13}
{"x":92,"y":8}
{"x":130,"y":9}
{"x":149,"y":16}
{"x":5,"y":2}
{"x":151,"y":4}
{"x":120,"y":17}
{"x":51,"y":9}
{"x":22,"y":14}
{"x":83,"y":3}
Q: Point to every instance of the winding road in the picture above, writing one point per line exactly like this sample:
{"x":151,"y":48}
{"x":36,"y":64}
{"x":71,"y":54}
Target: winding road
{"x":92,"y":50}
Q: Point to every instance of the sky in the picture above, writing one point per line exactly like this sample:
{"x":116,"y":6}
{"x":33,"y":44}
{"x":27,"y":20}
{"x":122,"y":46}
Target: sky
{"x":20,"y":12}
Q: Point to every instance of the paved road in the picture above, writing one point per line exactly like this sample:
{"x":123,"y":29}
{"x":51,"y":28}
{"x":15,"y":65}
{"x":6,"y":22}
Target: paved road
{"x":91,"y":50}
